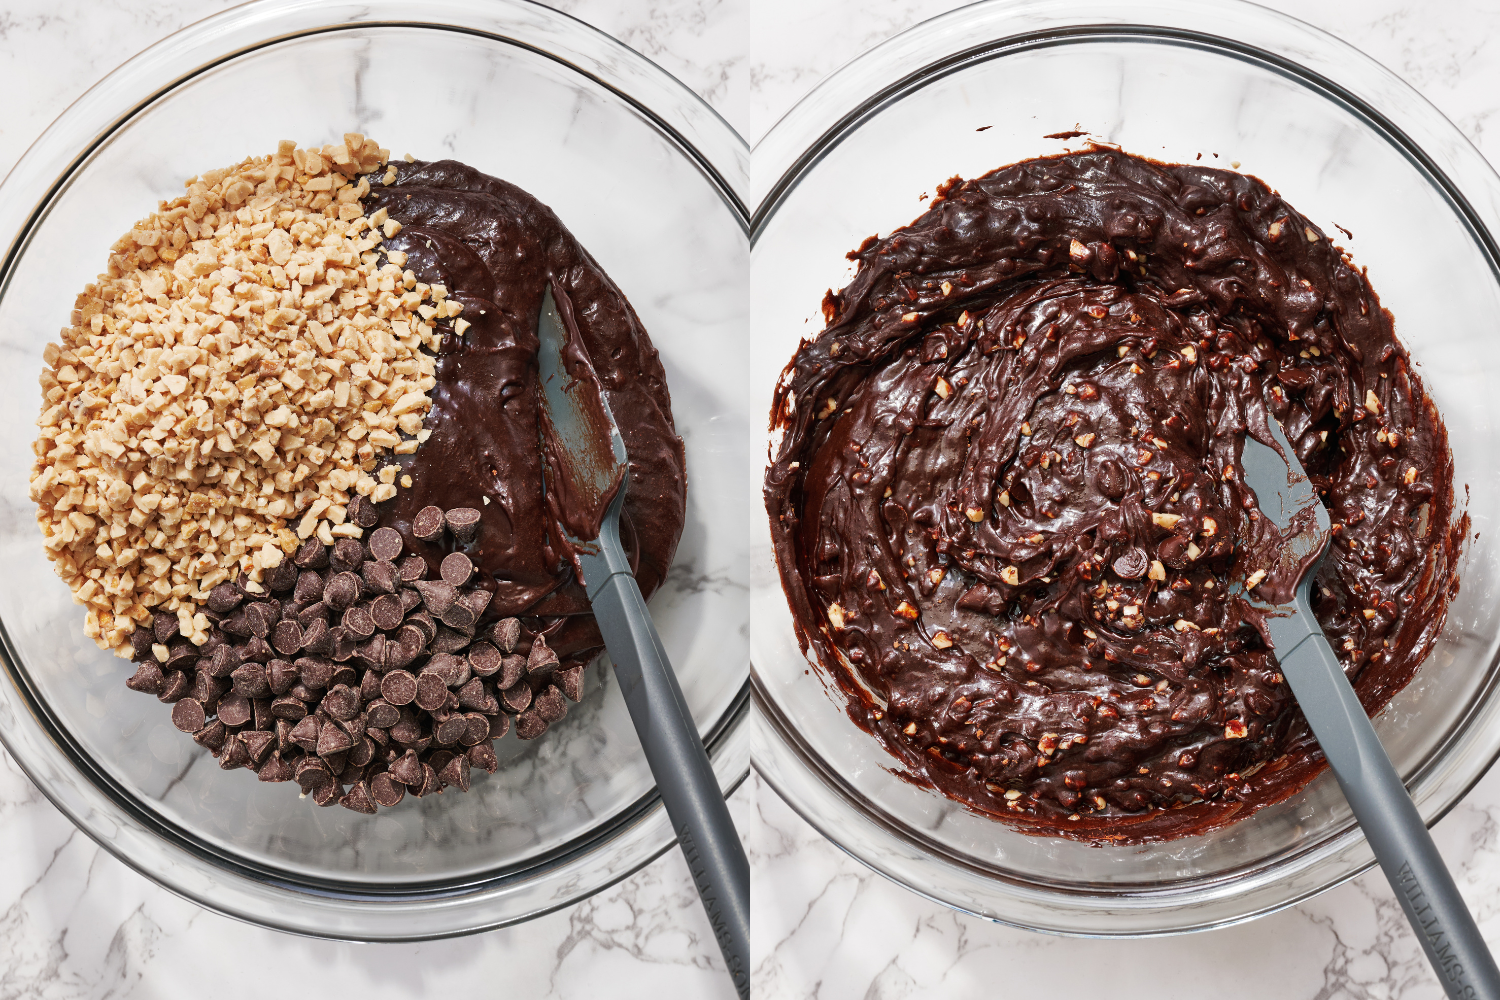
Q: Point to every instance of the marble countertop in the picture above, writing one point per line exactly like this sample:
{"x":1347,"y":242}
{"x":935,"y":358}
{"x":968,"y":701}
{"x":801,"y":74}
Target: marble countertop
{"x":827,"y":927}
{"x":76,"y":923}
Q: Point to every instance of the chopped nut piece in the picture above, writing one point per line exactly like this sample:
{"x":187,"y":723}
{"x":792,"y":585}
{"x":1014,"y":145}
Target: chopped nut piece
{"x":1193,"y":552}
{"x":1084,"y":440}
{"x":974,"y":514}
{"x":1235,"y":729}
{"x":905,"y":610}
{"x":947,"y":288}
{"x":941,"y":640}
{"x":1004,"y":498}
{"x":1012,"y":794}
{"x":1183,"y":625}
{"x":1254,"y":579}
{"x":911,"y":729}
{"x":1372,"y":401}
{"x":1210,"y":527}
{"x":1168,"y":521}
{"x":1011,"y":575}
{"x":935,"y":575}
{"x":1191,"y":353}
{"x":1157,"y":571}
{"x":942,"y":388}
{"x":836,"y":615}
{"x":1312,"y":234}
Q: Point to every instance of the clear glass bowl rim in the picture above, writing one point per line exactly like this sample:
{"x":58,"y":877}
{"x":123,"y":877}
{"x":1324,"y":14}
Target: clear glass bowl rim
{"x":41,"y":747}
{"x":944,"y":45}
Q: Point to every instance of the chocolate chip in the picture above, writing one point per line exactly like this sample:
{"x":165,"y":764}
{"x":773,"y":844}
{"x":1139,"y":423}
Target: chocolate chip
{"x":472,"y":695}
{"x":424,"y":623}
{"x":408,"y":730}
{"x":456,"y":569}
{"x":207,"y":689}
{"x":516,"y":699}
{"x":372,"y":654}
{"x":453,"y":671}
{"x":142,"y":639}
{"x":476,"y":601}
{"x":541,"y":659}
{"x":358,"y":799}
{"x":386,"y":544}
{"x":257,"y":649}
{"x":386,"y":790}
{"x":450,"y":730}
{"x":430,"y":782}
{"x":327,"y":795}
{"x":332,"y":740}
{"x":286,"y":638}
{"x":363,"y":512}
{"x":407,"y":769}
{"x":482,"y":755}
{"x":459,"y":616}
{"x":211,"y":736}
{"x":380,"y":577}
{"x":512,"y":669}
{"x":275,"y":768}
{"x":410,"y":600}
{"x":315,"y":637}
{"x":188,"y":715}
{"x":309,"y":587}
{"x":346,"y":556}
{"x":259,"y":745}
{"x":570,"y":682}
{"x":401,"y":651}
{"x":398,"y":687}
{"x":341,"y":703}
{"x":341,"y":644}
{"x":477,"y":728}
{"x":263,"y":719}
{"x":165,"y":626}
{"x":448,"y":640}
{"x":250,"y":681}
{"x":380,"y":736}
{"x":1111,"y":479}
{"x":381,"y":714}
{"x":456,"y":773}
{"x":437,"y":595}
{"x":362,"y":752}
{"x":311,"y":773}
{"x":1133,"y":564}
{"x":386,"y":611}
{"x":369,"y":685}
{"x":305,"y":733}
{"x":261,"y":616}
{"x":224,"y":598}
{"x":147,"y":678}
{"x":432,"y":693}
{"x":182,"y":656}
{"x":464,"y":523}
{"x":315,"y":671}
{"x":484,"y":659}
{"x":235,"y":624}
{"x":341,"y":591}
{"x":175,"y":685}
{"x":303,"y":693}
{"x":235,"y":755}
{"x":288,"y":707}
{"x":283,"y":576}
{"x":413,"y":568}
{"x":313,"y":554}
{"x":530,"y":725}
{"x":428,"y":524}
{"x":550,"y":704}
{"x":359,"y":621}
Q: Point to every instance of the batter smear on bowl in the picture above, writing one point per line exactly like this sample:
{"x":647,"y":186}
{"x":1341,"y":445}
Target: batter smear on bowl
{"x":1006,"y":502}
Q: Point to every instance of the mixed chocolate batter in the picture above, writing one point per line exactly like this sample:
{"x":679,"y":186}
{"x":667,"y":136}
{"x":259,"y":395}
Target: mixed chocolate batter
{"x":496,"y":248}
{"x":1006,"y":503}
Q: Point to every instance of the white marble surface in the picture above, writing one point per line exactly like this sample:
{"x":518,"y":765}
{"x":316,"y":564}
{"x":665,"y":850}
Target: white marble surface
{"x":826,"y":927}
{"x":76,"y":923}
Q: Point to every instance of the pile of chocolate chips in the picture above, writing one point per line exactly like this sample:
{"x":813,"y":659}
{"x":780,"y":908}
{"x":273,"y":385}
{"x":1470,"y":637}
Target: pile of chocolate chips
{"x":354,"y":674}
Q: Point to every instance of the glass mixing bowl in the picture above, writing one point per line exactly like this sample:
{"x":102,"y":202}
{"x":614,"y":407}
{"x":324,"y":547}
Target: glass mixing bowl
{"x":652,"y":183}
{"x":1347,"y":143}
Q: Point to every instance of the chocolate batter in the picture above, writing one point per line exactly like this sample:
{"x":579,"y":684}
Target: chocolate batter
{"x":1006,"y":503}
{"x":495,"y":248}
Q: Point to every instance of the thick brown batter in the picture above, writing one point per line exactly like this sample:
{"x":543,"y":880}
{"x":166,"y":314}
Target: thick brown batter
{"x":1006,"y":497}
{"x":495,"y":248}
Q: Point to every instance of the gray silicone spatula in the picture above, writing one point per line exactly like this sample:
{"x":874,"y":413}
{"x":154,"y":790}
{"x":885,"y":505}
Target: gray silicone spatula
{"x":586,"y":482}
{"x":1281,"y":587}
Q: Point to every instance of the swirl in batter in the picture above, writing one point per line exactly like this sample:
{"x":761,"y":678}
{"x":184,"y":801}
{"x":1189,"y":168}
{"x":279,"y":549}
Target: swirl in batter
{"x":1006,"y":502}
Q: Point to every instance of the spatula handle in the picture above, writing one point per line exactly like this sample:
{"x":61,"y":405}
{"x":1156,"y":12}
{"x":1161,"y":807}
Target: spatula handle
{"x":1390,"y":821}
{"x":683,"y":774}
